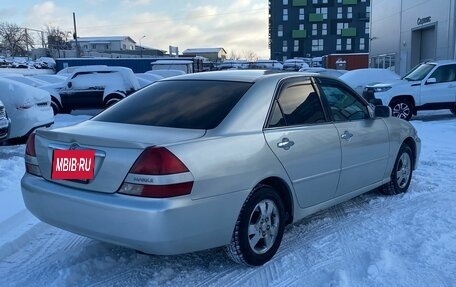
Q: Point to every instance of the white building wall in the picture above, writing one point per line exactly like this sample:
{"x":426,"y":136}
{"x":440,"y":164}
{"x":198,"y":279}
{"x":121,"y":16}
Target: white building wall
{"x":393,"y":23}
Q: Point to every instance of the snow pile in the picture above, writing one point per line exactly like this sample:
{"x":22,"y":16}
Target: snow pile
{"x":371,"y":240}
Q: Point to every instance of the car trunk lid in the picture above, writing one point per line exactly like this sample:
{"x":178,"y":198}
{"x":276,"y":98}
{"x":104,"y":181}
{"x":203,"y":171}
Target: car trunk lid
{"x":116,"y":146}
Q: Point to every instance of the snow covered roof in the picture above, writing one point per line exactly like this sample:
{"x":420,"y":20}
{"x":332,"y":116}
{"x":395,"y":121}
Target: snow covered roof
{"x":203,"y":50}
{"x":105,"y":39}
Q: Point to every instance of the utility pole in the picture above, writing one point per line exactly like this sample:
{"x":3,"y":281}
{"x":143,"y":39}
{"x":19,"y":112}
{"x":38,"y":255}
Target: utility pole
{"x":75,"y":36}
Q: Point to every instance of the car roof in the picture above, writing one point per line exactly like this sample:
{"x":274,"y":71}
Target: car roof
{"x":441,"y":62}
{"x":239,"y":75}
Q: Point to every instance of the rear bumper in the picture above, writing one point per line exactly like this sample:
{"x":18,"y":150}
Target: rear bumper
{"x":155,"y":226}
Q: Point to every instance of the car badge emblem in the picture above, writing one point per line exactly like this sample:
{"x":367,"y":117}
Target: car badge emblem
{"x":74,"y":146}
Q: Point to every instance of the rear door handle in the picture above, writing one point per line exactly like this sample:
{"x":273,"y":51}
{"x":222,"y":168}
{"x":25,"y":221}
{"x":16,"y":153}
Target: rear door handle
{"x":285,"y":144}
{"x":346,"y":135}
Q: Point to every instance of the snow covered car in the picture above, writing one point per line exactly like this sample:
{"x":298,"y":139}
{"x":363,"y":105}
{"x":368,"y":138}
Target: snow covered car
{"x":225,"y":158}
{"x":428,"y":86}
{"x":92,"y":87}
{"x":4,"y":123}
{"x":360,"y":78}
{"x":294,"y":64}
{"x":28,"y":108}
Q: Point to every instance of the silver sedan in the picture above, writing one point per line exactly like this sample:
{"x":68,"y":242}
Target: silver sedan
{"x":217,"y":159}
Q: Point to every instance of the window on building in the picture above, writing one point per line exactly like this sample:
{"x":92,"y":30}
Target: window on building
{"x":339,"y":1}
{"x":285,"y":14}
{"x":94,"y":46}
{"x":314,"y":1}
{"x":314,"y":29}
{"x":86,"y":47}
{"x":284,"y":58}
{"x":284,"y":46}
{"x":107,"y":47}
{"x":301,"y":14}
{"x":280,"y":31}
{"x":324,"y":29}
{"x":324,"y":1}
{"x":367,"y":29}
{"x":363,"y":0}
{"x":348,"y":45}
{"x":324,"y":11}
{"x":285,"y":2}
{"x":317,"y":45}
{"x":296,"y":45}
{"x":339,"y":12}
{"x":338,"y":44}
{"x":301,"y":27}
{"x":368,"y":11}
{"x":341,"y":26}
{"x":124,"y":46}
{"x":362,"y":44}
{"x":349,"y":12}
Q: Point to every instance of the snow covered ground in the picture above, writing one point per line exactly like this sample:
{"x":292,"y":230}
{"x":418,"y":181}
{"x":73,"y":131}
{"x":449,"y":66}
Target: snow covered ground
{"x":372,"y":240}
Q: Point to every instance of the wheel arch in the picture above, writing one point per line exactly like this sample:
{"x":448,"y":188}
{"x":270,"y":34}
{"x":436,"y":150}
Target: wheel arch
{"x":113,"y":95}
{"x":284,"y":192}
{"x":411,"y":143}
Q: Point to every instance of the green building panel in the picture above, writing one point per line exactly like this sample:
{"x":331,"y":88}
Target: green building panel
{"x":349,"y":32}
{"x":315,"y":17}
{"x":299,"y":34}
{"x":299,"y":2}
{"x":350,"y":2}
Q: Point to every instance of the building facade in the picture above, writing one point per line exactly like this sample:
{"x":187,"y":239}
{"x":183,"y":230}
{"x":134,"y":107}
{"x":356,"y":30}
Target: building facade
{"x":405,"y":33}
{"x":212,"y":54}
{"x":106,"y":44}
{"x":313,"y":28}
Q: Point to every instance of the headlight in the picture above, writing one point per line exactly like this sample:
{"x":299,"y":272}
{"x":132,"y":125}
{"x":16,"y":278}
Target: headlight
{"x":381,"y":89}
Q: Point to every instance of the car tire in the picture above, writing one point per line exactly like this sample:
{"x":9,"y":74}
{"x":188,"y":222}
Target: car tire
{"x":401,"y":108}
{"x":453,"y":110}
{"x":55,"y":107}
{"x":259,"y":228}
{"x":112,"y":100}
{"x":401,"y":175}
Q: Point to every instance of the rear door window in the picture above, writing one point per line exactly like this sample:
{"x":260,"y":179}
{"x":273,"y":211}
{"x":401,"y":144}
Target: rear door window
{"x":197,"y":104}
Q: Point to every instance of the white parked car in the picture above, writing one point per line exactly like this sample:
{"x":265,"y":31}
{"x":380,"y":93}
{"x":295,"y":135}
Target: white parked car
{"x":428,"y":86}
{"x":4,"y":123}
{"x":146,"y":79}
{"x":323,"y":71}
{"x":50,"y":79}
{"x":24,"y":79}
{"x":28,"y":108}
{"x":66,"y":72}
{"x":266,"y":64}
{"x":294,"y":65}
{"x":360,"y":78}
{"x":92,"y":87}
{"x":166,"y":73}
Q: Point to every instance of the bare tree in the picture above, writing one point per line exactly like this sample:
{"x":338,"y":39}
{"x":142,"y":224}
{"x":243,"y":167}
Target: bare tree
{"x":249,"y":55}
{"x":57,"y":39}
{"x":234,"y":55}
{"x":15,"y":39}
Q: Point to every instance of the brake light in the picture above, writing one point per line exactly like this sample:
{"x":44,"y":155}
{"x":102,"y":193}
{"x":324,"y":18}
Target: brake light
{"x":30,"y":146}
{"x":31,"y":162}
{"x":158,"y":161}
{"x":158,"y":173}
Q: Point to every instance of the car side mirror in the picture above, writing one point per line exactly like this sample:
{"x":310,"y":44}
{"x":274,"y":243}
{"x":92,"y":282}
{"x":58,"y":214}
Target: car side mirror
{"x":382,"y":111}
{"x":431,"y":81}
{"x":69,"y":85}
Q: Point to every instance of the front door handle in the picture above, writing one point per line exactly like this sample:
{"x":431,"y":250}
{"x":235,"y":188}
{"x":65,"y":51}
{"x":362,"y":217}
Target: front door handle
{"x":285,"y":144}
{"x":346,"y":135}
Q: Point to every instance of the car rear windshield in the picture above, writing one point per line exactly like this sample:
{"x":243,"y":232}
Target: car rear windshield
{"x":196,"y":104}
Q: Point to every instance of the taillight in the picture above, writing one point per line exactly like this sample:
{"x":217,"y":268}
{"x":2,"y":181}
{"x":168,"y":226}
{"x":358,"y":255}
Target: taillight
{"x":30,"y":146}
{"x":31,"y":162}
{"x":158,"y":173}
{"x":158,"y":161}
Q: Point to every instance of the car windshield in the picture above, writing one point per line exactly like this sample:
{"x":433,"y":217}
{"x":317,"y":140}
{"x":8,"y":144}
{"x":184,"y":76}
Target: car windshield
{"x":184,"y":104}
{"x":419,"y":72}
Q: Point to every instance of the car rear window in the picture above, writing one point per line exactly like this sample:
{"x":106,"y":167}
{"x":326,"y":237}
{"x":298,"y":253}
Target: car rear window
{"x":196,"y":104}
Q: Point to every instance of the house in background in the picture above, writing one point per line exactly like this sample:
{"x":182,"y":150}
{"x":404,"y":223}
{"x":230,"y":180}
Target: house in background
{"x":105,"y":44}
{"x":212,"y":54}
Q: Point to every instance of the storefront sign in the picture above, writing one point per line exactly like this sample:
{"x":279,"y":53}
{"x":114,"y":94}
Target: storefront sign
{"x":422,"y":21}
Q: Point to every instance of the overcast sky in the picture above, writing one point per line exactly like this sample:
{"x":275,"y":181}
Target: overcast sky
{"x":237,"y":25}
